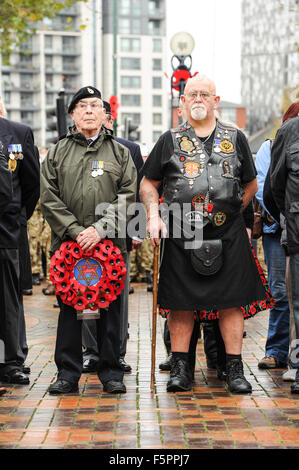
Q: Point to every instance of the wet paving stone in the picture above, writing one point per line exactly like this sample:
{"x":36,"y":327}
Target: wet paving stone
{"x":207,"y":417}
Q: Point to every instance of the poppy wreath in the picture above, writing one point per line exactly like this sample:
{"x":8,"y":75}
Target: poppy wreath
{"x":88,"y":279}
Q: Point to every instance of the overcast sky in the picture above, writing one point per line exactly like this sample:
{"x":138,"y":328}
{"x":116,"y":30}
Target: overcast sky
{"x":216,"y":28}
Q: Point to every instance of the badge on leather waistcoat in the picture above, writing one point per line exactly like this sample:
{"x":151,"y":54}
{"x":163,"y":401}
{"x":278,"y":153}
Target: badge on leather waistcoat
{"x":226,"y":146}
{"x":219,"y":218}
{"x":226,"y":169}
{"x":191,"y":170}
{"x":186,"y":145}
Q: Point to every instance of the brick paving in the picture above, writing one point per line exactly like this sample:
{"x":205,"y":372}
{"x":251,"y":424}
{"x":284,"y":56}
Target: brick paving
{"x":208,"y":417}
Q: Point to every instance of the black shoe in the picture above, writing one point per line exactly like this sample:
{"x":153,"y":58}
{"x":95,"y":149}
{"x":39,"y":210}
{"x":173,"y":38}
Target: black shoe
{"x":295,"y":386}
{"x":15,"y":377}
{"x":180,"y":377}
{"x":62,"y":386}
{"x":2,"y":391}
{"x":124,"y":365}
{"x":235,"y":377}
{"x":114,"y":386}
{"x":149,"y":288}
{"x":35,"y":280}
{"x":221,"y":373}
{"x":27,"y":291}
{"x":131,"y":290}
{"x":166,"y":365}
{"x":25,"y":369}
{"x":90,"y":365}
{"x":56,"y":305}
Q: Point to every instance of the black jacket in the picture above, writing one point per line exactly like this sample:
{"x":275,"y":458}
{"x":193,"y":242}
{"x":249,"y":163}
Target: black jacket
{"x":284,"y":177}
{"x":138,"y":162}
{"x":25,"y":180}
{"x":5,"y":183}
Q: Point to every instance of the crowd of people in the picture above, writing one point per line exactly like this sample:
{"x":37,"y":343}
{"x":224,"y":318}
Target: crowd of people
{"x":196,"y":189}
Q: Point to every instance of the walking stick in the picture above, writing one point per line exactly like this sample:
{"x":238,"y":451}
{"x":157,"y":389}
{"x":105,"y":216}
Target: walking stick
{"x":154,"y":321}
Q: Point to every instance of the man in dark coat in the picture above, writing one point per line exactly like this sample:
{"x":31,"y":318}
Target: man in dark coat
{"x":284,"y":177}
{"x":17,"y":145}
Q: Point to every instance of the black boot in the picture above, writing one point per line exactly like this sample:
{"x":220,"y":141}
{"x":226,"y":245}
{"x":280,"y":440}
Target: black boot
{"x":180,"y":375}
{"x":149,"y":281}
{"x":166,"y":365}
{"x":235,"y":377}
{"x":35,"y":280}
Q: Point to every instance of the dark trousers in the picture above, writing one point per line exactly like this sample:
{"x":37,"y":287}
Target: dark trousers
{"x":9,"y":307}
{"x":68,"y":352}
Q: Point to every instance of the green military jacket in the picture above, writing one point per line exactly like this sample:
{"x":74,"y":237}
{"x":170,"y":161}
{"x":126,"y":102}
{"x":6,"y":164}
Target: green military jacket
{"x":71,"y":193}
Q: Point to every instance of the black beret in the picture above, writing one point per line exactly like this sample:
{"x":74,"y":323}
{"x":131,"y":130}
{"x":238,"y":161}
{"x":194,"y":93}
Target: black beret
{"x":107,"y":107}
{"x":85,"y":92}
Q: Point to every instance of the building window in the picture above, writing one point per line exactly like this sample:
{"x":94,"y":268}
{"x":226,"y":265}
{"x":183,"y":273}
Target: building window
{"x":157,"y":64}
{"x":228,"y":114}
{"x":136,"y":26}
{"x":157,"y":118}
{"x":154,"y":27}
{"x":26,"y":60}
{"x":69,"y":63}
{"x":157,"y":45}
{"x":6,"y":79}
{"x":157,"y":82}
{"x":26,"y":99}
{"x":130,"y":82}
{"x":49,"y":80}
{"x":130,"y":45}
{"x":7,"y":97}
{"x":26,"y":80}
{"x":135,"y":117}
{"x":130,"y":100}
{"x":130,"y":63}
{"x":48,"y":62}
{"x":48,"y":42}
{"x":49,"y":99}
{"x":69,"y":43}
{"x":124,"y":7}
{"x":136,"y":7}
{"x":153,"y":6}
{"x":157,"y":100}
{"x":27,"y":117}
{"x":124,"y":25}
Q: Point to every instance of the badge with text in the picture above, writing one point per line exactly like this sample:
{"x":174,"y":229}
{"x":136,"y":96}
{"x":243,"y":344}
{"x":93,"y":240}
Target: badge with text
{"x":191,"y":170}
{"x":227,"y":146}
{"x":226,"y":169}
{"x":219,"y":218}
{"x":186,"y":145}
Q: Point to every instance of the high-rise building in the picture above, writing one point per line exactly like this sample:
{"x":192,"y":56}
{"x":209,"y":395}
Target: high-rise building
{"x":57,"y":57}
{"x":134,"y":62}
{"x":115,"y":45}
{"x":270,"y":58}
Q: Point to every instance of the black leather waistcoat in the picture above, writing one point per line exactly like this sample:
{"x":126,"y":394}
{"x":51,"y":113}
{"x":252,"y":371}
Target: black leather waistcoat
{"x":210,"y":184}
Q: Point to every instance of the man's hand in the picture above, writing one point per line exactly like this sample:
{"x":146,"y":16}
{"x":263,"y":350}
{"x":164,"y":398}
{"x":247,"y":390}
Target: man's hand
{"x":154,"y":227}
{"x":88,"y":238}
{"x":136,"y":244}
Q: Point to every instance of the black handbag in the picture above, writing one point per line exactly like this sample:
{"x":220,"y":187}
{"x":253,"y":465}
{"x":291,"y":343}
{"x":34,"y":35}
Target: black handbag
{"x":208,"y":259}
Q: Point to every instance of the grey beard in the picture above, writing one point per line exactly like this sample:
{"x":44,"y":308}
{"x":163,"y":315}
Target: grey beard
{"x":198,"y":114}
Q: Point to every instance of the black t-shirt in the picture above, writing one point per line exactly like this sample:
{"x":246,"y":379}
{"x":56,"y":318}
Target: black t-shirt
{"x":155,"y":166}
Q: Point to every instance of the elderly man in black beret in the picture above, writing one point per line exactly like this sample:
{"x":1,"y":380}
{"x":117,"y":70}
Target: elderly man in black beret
{"x":71,"y":190}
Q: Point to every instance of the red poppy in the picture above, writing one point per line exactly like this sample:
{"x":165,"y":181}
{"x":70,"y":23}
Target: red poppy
{"x":91,"y":295}
{"x":76,"y":251}
{"x":80,"y":303}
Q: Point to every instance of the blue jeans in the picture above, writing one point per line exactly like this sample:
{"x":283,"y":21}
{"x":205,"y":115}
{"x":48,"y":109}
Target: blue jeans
{"x":277,"y":344}
{"x":294,"y":271}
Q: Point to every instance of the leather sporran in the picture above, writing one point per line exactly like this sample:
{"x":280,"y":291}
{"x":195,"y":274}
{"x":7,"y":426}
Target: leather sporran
{"x":257,"y":229}
{"x":208,"y":259}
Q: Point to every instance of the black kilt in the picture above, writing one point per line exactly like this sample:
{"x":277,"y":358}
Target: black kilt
{"x":237,"y":283}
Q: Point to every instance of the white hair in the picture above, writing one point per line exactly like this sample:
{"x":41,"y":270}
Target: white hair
{"x":200,"y":77}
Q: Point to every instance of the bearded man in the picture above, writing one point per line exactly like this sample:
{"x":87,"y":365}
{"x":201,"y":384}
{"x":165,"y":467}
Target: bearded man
{"x":208,"y":177}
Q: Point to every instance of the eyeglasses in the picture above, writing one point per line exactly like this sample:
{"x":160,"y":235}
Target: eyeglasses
{"x":82,"y":106}
{"x":204,"y":95}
